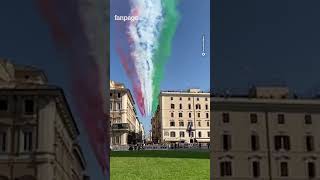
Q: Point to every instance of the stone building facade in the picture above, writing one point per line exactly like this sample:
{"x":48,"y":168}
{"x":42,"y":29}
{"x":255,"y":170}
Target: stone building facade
{"x":38,"y":135}
{"x":125,"y":125}
{"x":182,"y":116}
{"x":266,"y":134}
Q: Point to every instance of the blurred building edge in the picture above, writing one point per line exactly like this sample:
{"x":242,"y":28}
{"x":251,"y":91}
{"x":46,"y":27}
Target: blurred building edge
{"x":38,"y":135}
{"x":265,"y":134}
{"x":126,"y":128}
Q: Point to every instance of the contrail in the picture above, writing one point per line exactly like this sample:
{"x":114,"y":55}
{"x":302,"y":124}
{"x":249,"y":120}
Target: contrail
{"x":144,"y":34}
{"x":171,"y":18}
{"x":150,"y":43}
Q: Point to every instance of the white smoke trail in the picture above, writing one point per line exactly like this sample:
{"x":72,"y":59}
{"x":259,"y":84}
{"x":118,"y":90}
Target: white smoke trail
{"x":145,"y":36}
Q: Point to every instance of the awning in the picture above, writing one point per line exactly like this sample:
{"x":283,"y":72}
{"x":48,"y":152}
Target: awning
{"x":203,"y":140}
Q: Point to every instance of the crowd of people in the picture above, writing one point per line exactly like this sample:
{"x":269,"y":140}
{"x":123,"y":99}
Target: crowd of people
{"x":171,"y":146}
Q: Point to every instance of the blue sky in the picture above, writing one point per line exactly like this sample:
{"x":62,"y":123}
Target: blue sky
{"x":186,"y":68}
{"x":265,"y":43}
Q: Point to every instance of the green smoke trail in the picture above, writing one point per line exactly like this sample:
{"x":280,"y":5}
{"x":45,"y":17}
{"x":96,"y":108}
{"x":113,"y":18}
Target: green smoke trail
{"x":171,"y":19}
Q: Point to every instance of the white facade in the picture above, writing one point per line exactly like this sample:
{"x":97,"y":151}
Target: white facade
{"x":182,"y":117}
{"x":125,"y":126}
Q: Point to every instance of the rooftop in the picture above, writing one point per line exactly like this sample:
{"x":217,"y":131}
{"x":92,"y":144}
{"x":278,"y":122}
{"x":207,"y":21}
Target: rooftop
{"x":264,"y":92}
{"x":14,"y":73}
{"x":188,"y":91}
{"x":21,"y":80}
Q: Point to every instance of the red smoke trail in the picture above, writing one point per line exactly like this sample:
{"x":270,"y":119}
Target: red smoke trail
{"x":129,"y":67}
{"x":132,"y":74}
{"x":68,"y":31}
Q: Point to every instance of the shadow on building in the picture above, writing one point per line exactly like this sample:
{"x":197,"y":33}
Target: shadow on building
{"x":38,"y":134}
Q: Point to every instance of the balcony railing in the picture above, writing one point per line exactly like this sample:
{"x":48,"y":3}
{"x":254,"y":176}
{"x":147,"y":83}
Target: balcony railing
{"x":120,"y":127}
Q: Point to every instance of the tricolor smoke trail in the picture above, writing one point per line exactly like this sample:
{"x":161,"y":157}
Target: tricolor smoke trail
{"x":150,"y":43}
{"x":77,"y":28}
{"x":162,"y":53}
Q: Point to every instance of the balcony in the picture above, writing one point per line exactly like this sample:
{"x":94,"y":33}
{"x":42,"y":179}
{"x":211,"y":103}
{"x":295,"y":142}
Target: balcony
{"x":120,"y":127}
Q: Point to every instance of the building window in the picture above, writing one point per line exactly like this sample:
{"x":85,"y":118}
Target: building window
{"x":198,"y":115}
{"x":181,"y":124}
{"x":119,"y":95}
{"x":226,"y":142}
{"x":181,"y":134}
{"x":284,"y":169}
{"x":180,"y":114}
{"x":110,"y":106}
{"x":308,"y":119}
{"x":172,"y":114}
{"x":110,"y":94}
{"x":256,"y":169}
{"x":207,"y":115}
{"x":180,"y":106}
{"x":281,"y":119}
{"x":172,"y":124}
{"x":206,"y":106}
{"x":208,"y":133}
{"x":309,"y":143}
{"x":225,"y":118}
{"x":171,"y":98}
{"x":189,"y":99}
{"x":225,"y":168}
{"x":116,"y":140}
{"x":311,"y":170}
{"x":189,"y":105}
{"x":208,"y":123}
{"x":190,"y":124}
{"x":3,"y":141}
{"x":253,"y":118}
{"x":254,"y":142}
{"x":27,"y":141}
{"x":172,"y":106}
{"x":199,"y":123}
{"x":119,"y":106}
{"x":3,"y":105}
{"x":198,"y":106}
{"x":180,"y":98}
{"x":189,"y":115}
{"x":172,"y":134}
{"x":197,"y":99}
{"x":166,"y":133}
{"x":206,"y":99}
{"x":192,"y":134}
{"x":282,"y":142}
{"x":29,"y":106}
{"x":199,"y":134}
